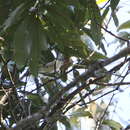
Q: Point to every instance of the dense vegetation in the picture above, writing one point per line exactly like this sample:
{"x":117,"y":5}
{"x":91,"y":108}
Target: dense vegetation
{"x":51,"y":66}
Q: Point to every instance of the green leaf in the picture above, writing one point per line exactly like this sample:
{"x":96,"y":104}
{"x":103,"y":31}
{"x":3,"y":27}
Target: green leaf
{"x":21,"y":44}
{"x":38,"y":43}
{"x":14,"y":17}
{"x":114,"y":16}
{"x":47,"y":56}
{"x":125,"y":25}
{"x":81,"y":112}
{"x":73,"y":51}
{"x":36,"y":99}
{"x":105,"y":12}
{"x":74,"y":122}
{"x":29,"y":40}
{"x":97,"y":56}
{"x":125,"y":35}
{"x":59,"y":14}
{"x":35,"y":48}
{"x":113,"y":4}
{"x":64,"y":120}
{"x":51,"y":89}
{"x":36,"y":102}
{"x":83,"y":2}
{"x":103,"y":48}
{"x":113,"y":124}
{"x":80,"y":16}
{"x":63,"y":31}
{"x":96,"y":21}
{"x":69,"y":43}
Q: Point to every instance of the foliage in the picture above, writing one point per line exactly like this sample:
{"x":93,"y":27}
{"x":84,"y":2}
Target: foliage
{"x":41,"y":43}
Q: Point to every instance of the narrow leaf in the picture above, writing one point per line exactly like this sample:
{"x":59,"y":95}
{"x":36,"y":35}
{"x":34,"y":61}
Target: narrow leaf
{"x":81,"y":112}
{"x":96,"y":20}
{"x":113,"y":124}
{"x":105,"y":12}
{"x":35,"y":99}
{"x":14,"y":17}
{"x":113,"y":4}
{"x":21,"y":44}
{"x":38,"y":42}
{"x":114,"y":16}
{"x":65,"y":121}
{"x":125,"y":25}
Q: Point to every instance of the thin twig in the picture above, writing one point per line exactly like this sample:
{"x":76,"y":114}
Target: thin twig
{"x":105,"y":4}
{"x":112,"y":84}
{"x":104,"y":113}
{"x":123,"y":39}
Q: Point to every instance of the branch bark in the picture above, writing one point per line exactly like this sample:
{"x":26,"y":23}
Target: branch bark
{"x":98,"y":65}
{"x":112,"y":84}
{"x":29,"y":120}
{"x":93,"y":68}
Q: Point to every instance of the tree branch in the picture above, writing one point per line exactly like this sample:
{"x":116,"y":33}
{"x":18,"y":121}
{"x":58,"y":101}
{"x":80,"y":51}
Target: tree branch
{"x":94,"y":67}
{"x":29,"y":120}
{"x":113,"y":84}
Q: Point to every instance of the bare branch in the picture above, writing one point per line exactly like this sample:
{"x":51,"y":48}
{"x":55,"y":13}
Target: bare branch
{"x":114,"y":34}
{"x":29,"y":120}
{"x":94,"y":67}
{"x":112,"y":84}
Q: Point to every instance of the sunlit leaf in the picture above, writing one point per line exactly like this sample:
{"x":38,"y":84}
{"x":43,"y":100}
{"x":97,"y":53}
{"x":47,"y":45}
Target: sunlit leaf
{"x":93,"y":108}
{"x":74,"y":121}
{"x":113,"y":124}
{"x":125,"y":25}
{"x":101,"y":1}
{"x":81,"y":112}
